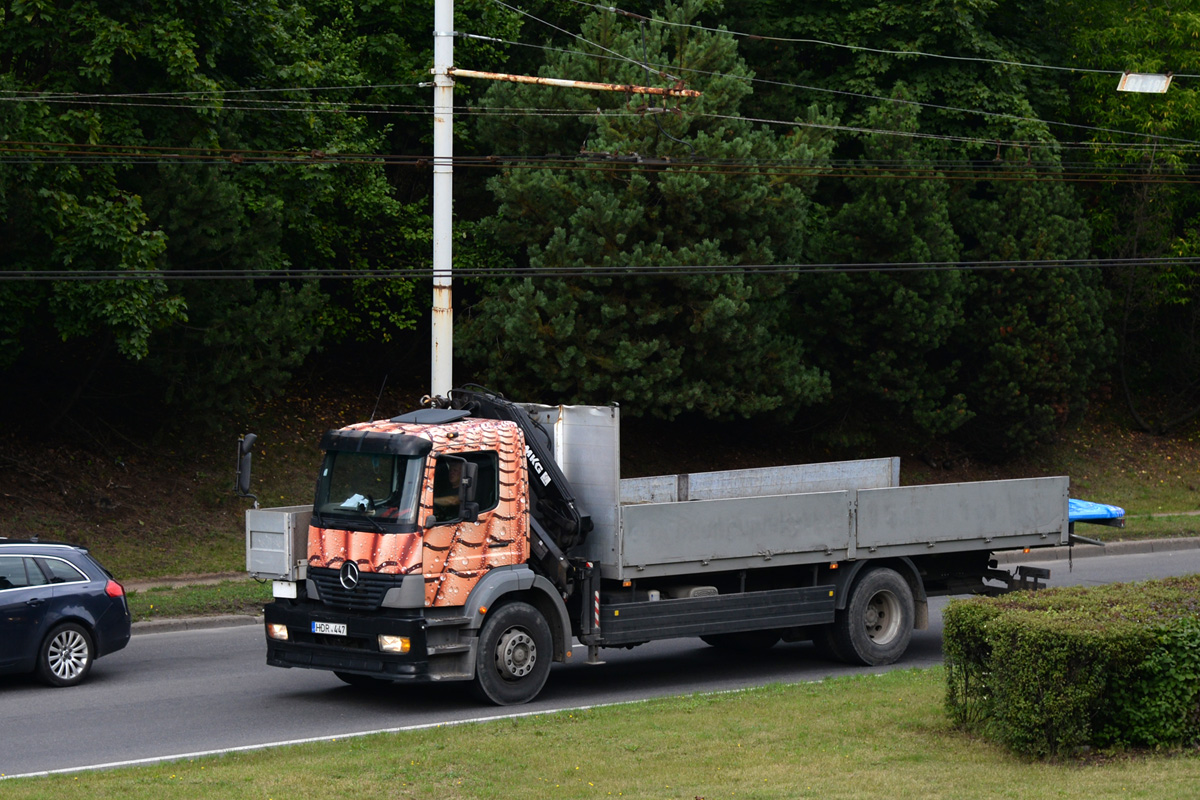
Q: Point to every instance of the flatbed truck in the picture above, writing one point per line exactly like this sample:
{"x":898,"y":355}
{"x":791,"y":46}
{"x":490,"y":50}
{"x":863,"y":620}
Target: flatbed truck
{"x":476,"y":539}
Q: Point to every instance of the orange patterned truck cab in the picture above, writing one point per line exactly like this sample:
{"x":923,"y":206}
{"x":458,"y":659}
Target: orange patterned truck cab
{"x":451,"y":557}
{"x":429,"y":555}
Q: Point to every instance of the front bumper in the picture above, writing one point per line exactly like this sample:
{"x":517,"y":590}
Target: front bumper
{"x":358,"y":651}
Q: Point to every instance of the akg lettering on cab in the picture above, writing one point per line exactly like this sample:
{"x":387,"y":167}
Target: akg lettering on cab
{"x":536,"y":463}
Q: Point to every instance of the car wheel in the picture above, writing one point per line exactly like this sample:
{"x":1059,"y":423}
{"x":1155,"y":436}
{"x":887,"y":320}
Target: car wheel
{"x":66,"y":655}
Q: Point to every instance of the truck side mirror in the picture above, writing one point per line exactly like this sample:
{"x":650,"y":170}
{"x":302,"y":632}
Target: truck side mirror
{"x":466,"y":492}
{"x":470,"y":479}
{"x":242,"y":478}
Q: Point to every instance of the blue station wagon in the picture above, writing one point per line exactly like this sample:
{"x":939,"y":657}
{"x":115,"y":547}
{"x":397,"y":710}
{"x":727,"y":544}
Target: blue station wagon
{"x":60,"y":610}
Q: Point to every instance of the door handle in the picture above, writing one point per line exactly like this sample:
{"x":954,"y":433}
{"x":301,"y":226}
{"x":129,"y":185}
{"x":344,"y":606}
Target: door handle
{"x":37,"y":601}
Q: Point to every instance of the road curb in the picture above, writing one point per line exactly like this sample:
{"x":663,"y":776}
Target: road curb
{"x":1091,"y":551}
{"x":195,"y":623}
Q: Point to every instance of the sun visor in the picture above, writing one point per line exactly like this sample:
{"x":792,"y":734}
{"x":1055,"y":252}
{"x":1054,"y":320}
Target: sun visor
{"x":375,"y":442}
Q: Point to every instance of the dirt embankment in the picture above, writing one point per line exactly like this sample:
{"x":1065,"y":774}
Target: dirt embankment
{"x":163,"y":504}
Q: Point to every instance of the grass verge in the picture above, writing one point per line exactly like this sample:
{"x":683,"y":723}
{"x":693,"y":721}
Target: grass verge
{"x":855,"y":737}
{"x":1160,"y":526}
{"x":226,"y":597}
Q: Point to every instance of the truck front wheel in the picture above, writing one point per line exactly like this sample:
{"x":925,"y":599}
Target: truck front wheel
{"x":514,"y":655}
{"x":877,"y":623}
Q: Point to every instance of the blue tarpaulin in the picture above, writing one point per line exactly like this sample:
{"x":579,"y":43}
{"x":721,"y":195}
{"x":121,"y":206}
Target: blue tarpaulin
{"x":1087,"y":511}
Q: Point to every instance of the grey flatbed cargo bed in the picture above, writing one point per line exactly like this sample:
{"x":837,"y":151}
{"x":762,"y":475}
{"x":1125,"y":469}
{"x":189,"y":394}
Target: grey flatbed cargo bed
{"x":803,"y":514}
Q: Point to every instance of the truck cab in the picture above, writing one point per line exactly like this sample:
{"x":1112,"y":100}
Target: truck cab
{"x":411,"y":517}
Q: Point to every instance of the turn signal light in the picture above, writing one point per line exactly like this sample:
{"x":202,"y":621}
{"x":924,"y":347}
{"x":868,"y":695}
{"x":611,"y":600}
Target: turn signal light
{"x":393,"y":644}
{"x":277,"y":631}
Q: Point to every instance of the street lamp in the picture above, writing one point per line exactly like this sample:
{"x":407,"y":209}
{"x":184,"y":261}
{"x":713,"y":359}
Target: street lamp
{"x":1144,"y":83}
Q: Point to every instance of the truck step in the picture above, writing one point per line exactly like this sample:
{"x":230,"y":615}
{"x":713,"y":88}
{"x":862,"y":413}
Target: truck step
{"x":440,"y":622}
{"x":447,"y":649}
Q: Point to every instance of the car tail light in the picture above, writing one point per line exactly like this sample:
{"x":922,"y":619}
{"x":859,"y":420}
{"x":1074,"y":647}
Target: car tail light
{"x":114,"y":589}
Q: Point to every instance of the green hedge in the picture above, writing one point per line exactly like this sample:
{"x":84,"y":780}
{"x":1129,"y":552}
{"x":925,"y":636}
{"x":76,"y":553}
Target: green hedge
{"x":1049,"y":672}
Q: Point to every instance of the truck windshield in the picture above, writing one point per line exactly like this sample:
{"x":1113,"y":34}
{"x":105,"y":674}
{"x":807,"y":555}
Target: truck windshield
{"x":376,"y":488}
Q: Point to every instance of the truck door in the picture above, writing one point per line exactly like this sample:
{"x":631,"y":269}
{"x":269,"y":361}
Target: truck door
{"x":459,"y":551}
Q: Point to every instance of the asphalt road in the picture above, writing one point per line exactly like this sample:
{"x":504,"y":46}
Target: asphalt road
{"x":184,"y":693}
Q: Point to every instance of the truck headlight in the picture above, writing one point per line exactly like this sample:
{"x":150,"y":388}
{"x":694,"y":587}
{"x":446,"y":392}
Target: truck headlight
{"x":393,"y":644}
{"x":277,"y":631}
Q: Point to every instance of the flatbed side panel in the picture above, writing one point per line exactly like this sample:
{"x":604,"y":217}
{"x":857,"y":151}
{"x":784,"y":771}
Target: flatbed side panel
{"x":874,"y":473}
{"x":673,"y":538}
{"x":587,"y":447}
{"x":996,"y":514}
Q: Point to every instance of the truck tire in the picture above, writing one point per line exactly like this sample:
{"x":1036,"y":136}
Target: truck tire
{"x":513,"y":659}
{"x":825,"y":642}
{"x":743,"y":641}
{"x":877,"y":623}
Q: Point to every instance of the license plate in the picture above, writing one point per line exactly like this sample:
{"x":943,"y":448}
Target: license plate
{"x":330,"y":628}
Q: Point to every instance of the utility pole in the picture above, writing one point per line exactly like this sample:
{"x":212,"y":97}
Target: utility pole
{"x":442,"y":377}
{"x":442,"y":371}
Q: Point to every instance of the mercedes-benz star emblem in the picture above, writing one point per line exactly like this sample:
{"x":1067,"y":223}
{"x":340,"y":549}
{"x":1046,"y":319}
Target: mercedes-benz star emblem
{"x":348,"y":577}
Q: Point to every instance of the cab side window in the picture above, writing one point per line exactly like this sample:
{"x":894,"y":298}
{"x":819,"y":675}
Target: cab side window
{"x":447,"y":478}
{"x":487,"y":486}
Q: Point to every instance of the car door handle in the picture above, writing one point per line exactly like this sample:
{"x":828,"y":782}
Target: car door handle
{"x":37,"y":601}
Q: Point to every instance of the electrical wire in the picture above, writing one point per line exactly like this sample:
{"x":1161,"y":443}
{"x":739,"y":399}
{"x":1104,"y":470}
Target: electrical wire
{"x":336,"y":107}
{"x":859,"y":48}
{"x":614,"y":53}
{"x":999,"y":170}
{"x":613,"y":271}
{"x":875,"y":98}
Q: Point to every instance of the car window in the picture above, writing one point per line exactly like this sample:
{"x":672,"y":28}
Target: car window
{"x":17,"y":572}
{"x":61,"y":571}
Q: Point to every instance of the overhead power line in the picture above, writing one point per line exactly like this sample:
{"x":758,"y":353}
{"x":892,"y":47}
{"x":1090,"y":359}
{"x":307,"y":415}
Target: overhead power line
{"x":218,"y":103}
{"x":998,"y":115}
{"x":1001,"y":169}
{"x":858,"y":48}
{"x":613,"y":271}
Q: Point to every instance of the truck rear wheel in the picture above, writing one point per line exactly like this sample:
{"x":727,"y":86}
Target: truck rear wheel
{"x":876,"y":625}
{"x":514,"y":655}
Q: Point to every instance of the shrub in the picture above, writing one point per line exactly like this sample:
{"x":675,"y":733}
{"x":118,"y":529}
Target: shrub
{"x":1048,"y":672}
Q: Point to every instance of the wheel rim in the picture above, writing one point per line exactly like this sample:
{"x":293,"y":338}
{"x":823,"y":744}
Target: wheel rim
{"x":516,"y":654}
{"x":883,"y":617}
{"x":68,"y":655}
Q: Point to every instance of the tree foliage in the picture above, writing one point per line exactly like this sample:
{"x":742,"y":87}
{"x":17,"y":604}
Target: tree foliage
{"x":716,"y":342}
{"x":1147,"y":140}
{"x":237,"y":94}
{"x":1035,"y":343}
{"x":153,"y":138}
{"x":885,"y":336}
